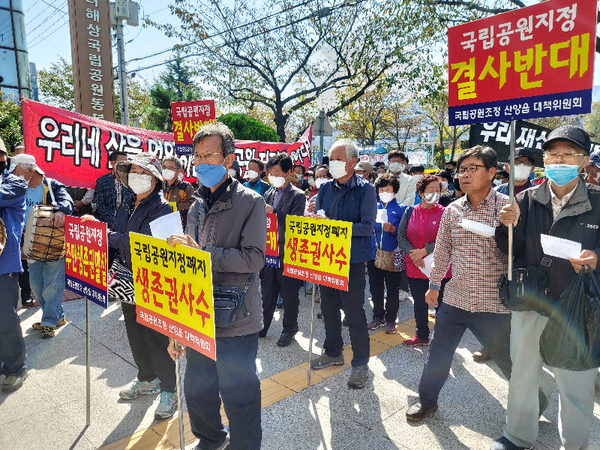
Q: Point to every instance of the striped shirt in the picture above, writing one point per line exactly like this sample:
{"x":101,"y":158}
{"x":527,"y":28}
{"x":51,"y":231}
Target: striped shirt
{"x":477,"y":264}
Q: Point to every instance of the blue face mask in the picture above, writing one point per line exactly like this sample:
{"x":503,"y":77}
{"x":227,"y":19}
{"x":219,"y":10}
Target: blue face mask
{"x":209,"y":175}
{"x":561,"y":174}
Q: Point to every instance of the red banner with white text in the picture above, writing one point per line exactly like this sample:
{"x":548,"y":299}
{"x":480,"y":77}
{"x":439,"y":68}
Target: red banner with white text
{"x":74,"y":149}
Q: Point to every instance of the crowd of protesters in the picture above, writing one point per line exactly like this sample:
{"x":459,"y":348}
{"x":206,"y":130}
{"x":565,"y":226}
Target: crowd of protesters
{"x":410,"y":237}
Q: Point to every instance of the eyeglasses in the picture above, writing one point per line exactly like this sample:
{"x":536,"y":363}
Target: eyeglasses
{"x":206,"y":156}
{"x":553,"y":156}
{"x":471,"y":169}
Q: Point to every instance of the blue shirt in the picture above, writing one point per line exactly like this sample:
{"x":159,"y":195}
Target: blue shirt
{"x":389,"y":241}
{"x":34,"y":196}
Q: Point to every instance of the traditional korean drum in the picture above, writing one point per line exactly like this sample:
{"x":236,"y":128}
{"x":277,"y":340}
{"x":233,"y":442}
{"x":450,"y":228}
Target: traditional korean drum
{"x":43,"y":241}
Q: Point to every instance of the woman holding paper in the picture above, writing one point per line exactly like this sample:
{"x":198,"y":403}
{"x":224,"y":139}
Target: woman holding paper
{"x":382,"y":273}
{"x":156,"y":369}
{"x":416,"y":236}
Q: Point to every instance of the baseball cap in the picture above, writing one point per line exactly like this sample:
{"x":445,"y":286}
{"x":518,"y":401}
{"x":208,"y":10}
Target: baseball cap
{"x":526,"y":152}
{"x":570,"y":133}
{"x":144,"y":160}
{"x":24,"y":159}
{"x":364,"y":165}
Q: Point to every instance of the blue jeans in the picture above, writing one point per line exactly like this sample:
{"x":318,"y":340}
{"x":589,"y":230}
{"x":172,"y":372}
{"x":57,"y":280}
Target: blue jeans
{"x":12,"y":345}
{"x":234,"y":376}
{"x":48,"y":285}
{"x":491,"y":329}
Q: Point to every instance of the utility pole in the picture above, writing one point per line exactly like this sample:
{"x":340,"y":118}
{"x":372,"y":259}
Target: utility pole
{"x":129,"y":11}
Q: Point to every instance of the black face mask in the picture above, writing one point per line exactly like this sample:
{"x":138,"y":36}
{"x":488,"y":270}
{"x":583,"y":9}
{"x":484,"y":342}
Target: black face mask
{"x":4,"y":165}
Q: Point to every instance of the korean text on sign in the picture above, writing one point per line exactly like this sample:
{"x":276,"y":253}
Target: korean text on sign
{"x":86,"y":259}
{"x":272,"y":252}
{"x":531,"y":62}
{"x":188,"y":117}
{"x":173,"y":291}
{"x":318,"y":250}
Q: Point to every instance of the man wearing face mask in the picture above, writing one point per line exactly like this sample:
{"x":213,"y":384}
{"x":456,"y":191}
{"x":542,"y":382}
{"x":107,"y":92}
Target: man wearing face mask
{"x":177,"y":191}
{"x":110,"y":192}
{"x":593,"y":168}
{"x":300,"y":181}
{"x":524,"y":166}
{"x":562,"y":206}
{"x":408,"y":185}
{"x":254,"y":171}
{"x":282,"y":199}
{"x":12,"y":211}
{"x":364,"y":169}
{"x":47,"y":279}
{"x":230,"y":222}
{"x":350,"y":198}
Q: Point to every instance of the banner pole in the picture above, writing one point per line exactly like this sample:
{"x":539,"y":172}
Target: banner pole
{"x":178,"y":383}
{"x":310,"y":341}
{"x":87,"y":363}
{"x":511,"y":194}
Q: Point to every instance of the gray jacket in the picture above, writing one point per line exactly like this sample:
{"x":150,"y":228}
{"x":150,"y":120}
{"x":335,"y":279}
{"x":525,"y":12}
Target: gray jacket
{"x":234,"y":232}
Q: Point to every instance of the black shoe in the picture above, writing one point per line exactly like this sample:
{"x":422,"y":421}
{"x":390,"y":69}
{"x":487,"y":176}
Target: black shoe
{"x":505,"y":444}
{"x":286,"y":338}
{"x":418,"y":412}
{"x":482,"y":355}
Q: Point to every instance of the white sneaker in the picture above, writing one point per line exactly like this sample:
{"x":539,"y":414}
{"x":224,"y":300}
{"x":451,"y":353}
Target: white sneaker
{"x":167,"y":406}
{"x":139,"y":388}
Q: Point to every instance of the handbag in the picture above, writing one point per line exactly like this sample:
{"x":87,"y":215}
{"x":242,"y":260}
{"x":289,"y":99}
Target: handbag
{"x":527,"y":289}
{"x":228,"y":303}
{"x":384,"y":260}
{"x":120,"y":283}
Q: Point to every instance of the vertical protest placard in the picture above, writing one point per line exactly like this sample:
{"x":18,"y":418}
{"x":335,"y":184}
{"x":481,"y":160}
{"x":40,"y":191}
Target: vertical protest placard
{"x":317,"y":250}
{"x":173,"y":292}
{"x":86,"y":259}
{"x":272,"y":251}
{"x":532,"y":62}
{"x":188,"y":117}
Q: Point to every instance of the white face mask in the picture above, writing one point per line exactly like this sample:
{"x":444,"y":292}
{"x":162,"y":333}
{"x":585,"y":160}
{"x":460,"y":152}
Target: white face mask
{"x":417,"y":177}
{"x":180,"y":177}
{"x":232,"y":173}
{"x":386,"y":197}
{"x":168,"y":174}
{"x":444,"y":185}
{"x":337,"y":169}
{"x":431,"y":197}
{"x":251,"y":174}
{"x":497,"y":182}
{"x":276,"y":181}
{"x":522,"y":172}
{"x":139,"y":183}
{"x":320,"y":182}
{"x":311,"y":181}
{"x":397,"y":167}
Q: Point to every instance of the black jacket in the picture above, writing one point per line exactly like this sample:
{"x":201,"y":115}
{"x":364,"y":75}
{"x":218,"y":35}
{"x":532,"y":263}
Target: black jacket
{"x":578,"y":221}
{"x":291,"y":202}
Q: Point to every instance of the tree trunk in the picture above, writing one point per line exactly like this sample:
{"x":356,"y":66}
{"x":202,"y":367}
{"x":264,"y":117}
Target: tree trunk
{"x":280,"y":121}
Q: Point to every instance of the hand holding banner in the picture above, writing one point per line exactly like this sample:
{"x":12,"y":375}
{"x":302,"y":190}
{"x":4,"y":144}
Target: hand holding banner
{"x":173,"y":292}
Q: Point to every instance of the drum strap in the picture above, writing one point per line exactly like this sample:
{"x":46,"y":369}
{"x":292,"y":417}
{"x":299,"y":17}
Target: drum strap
{"x":51,"y":191}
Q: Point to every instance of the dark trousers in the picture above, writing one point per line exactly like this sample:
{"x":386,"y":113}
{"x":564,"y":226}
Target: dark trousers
{"x":234,"y":376}
{"x":352,"y":302}
{"x":12,"y":345}
{"x":24,"y":282}
{"x":275,"y":283}
{"x":491,"y":329}
{"x":393,"y":282}
{"x":418,"y":288}
{"x":149,"y":350}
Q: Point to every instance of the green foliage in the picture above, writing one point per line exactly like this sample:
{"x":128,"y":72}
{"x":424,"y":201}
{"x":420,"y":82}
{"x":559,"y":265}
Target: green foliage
{"x":248,"y":128}
{"x":174,"y":85}
{"x":56,"y":85}
{"x":11,"y":121}
{"x":591,"y":121}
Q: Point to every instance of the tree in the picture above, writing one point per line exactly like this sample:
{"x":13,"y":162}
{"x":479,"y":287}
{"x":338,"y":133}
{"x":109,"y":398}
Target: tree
{"x":174,"y":85}
{"x":56,"y":85}
{"x":256,"y":53}
{"x":11,"y":121}
{"x":404,"y":120}
{"x":364,"y":119}
{"x":138,"y":101}
{"x":557,"y":121}
{"x":248,"y":128}
{"x":592,"y":121}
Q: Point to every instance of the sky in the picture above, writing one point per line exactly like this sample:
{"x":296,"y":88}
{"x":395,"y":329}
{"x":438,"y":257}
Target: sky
{"x":49,"y":38}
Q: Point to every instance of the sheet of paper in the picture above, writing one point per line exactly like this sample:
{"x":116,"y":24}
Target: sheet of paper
{"x":561,"y":248}
{"x":428,"y":260}
{"x":166,"y":226}
{"x":382,"y":216}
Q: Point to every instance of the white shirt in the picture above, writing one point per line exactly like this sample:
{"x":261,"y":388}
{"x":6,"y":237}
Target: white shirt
{"x":407,"y":190}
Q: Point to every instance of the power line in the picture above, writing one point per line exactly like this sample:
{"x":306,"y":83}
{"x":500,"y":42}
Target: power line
{"x":35,"y":3}
{"x":41,"y":38}
{"x":170,"y":49}
{"x":53,"y":13}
